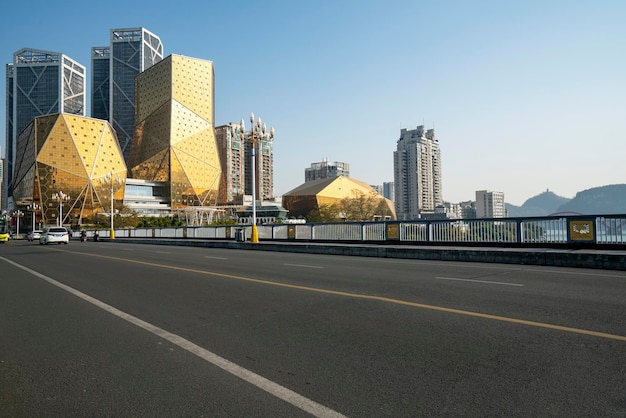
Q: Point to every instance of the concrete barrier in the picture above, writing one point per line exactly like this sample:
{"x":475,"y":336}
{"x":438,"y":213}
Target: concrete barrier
{"x":593,"y":259}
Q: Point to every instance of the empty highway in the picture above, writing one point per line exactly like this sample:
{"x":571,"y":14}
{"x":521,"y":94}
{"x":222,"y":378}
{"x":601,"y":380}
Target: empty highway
{"x":105,"y":329}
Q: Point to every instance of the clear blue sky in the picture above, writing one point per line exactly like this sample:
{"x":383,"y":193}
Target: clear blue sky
{"x":524,"y":96}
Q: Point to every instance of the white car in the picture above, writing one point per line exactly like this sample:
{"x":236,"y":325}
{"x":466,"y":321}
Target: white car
{"x":58,"y":234}
{"x":34,"y":235}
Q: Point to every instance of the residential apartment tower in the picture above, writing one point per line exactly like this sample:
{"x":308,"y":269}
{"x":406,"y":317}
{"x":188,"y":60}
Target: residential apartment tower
{"x":417,"y":173}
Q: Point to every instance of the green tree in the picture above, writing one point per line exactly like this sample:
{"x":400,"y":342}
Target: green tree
{"x":324,"y":213}
{"x":224,"y":221}
{"x":363,"y":207}
{"x":159,"y":222}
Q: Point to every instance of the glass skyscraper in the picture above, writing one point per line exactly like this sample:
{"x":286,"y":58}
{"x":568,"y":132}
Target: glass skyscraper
{"x":40,"y":83}
{"x":100,"y":89}
{"x":132,"y":51}
{"x":9,"y":149}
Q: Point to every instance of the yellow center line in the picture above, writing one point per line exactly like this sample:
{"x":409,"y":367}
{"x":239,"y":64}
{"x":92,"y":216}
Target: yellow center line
{"x":376,"y":298}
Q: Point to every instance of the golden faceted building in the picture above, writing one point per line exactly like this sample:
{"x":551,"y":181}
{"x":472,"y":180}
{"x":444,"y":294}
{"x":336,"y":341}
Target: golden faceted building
{"x":63,"y":167}
{"x":314,"y":194}
{"x":174,"y":140}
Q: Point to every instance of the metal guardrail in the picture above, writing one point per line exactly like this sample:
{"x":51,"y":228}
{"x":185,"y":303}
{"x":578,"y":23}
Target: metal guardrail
{"x":593,"y":229}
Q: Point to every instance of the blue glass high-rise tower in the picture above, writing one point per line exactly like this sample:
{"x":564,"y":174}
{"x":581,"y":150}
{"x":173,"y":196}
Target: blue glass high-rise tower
{"x":40,"y":83}
{"x":132,"y":51}
{"x":100,"y":89}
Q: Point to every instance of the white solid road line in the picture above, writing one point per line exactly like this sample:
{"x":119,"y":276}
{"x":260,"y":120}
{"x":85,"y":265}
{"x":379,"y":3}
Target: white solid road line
{"x":479,"y":281}
{"x":262,"y":383}
{"x":304,"y":265}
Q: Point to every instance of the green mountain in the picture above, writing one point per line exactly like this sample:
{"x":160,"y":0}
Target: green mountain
{"x":543,"y":204}
{"x":603,"y":200}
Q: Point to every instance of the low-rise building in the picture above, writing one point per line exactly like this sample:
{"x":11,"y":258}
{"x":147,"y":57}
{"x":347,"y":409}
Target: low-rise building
{"x":326,"y":170}
{"x":313,"y":195}
{"x":490,"y":204}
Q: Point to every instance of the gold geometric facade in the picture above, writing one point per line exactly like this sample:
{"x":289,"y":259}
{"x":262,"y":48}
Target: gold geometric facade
{"x":314,"y":194}
{"x":174,"y":138}
{"x":69,"y":154}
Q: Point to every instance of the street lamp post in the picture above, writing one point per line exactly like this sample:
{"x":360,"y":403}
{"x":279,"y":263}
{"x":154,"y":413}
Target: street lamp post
{"x":34,"y":207}
{"x":112,"y":182}
{"x":60,"y":197}
{"x":257,"y":131}
{"x":18,"y":214}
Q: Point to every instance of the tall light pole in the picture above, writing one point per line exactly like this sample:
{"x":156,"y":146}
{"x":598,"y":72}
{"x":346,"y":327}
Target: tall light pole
{"x":34,"y":207}
{"x":112,"y":182}
{"x":257,"y":132}
{"x":18,"y":214}
{"x":60,"y":197}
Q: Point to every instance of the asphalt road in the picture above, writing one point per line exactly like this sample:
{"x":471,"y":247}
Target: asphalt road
{"x":131,"y":330}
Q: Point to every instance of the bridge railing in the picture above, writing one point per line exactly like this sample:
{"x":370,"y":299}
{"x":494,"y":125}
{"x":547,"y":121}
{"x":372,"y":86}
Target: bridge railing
{"x":593,"y":229}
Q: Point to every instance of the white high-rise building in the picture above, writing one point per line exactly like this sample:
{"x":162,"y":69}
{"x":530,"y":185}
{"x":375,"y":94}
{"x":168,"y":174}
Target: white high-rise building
{"x":231,"y":143}
{"x":490,"y":204}
{"x":263,"y":164}
{"x":417,"y":173}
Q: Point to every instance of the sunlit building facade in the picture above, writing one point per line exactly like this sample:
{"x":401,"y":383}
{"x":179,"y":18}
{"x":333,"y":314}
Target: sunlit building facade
{"x":326,"y":170}
{"x":40,"y":83}
{"x":264,"y":164}
{"x":147,"y":197}
{"x":63,"y":168}
{"x":490,"y":204}
{"x":231,"y":145}
{"x":175,"y":139}
{"x":132,"y":51}
{"x":312,"y":195}
{"x":417,"y":173}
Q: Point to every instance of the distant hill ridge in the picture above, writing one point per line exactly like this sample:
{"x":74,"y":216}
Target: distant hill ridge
{"x":603,"y":200}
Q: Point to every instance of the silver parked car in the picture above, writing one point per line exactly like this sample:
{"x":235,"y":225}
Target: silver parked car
{"x":34,"y":235}
{"x":58,"y":234}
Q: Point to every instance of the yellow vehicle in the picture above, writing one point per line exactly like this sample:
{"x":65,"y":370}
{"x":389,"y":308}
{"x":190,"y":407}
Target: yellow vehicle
{"x":4,"y":230}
